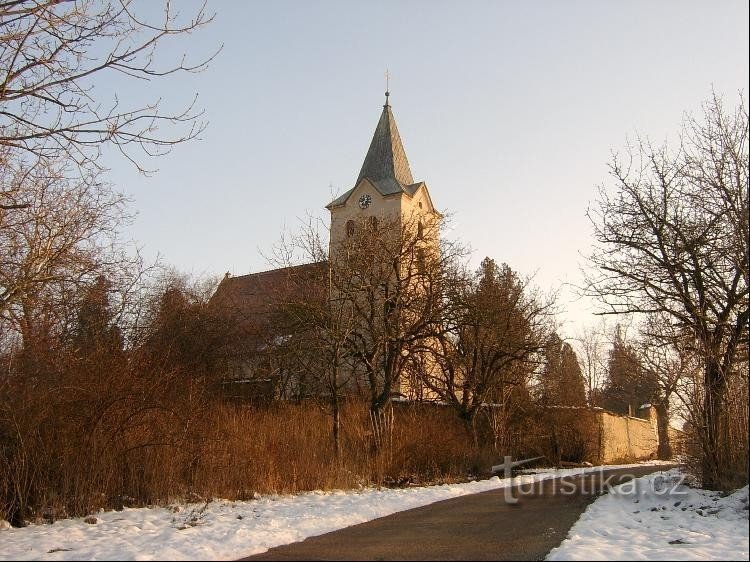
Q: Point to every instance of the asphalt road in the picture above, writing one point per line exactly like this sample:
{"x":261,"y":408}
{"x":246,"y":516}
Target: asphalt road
{"x":480,"y":526}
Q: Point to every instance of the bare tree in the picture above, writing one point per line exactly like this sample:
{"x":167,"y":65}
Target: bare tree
{"x":318,"y":347}
{"x":668,"y":357}
{"x":310,"y":335}
{"x":65,"y":233}
{"x":673,"y":239}
{"x":385,"y":283}
{"x":56,"y":213}
{"x":390,"y":274}
{"x":51,"y":55}
{"x":591,"y":344}
{"x":308,"y":338}
{"x":498,"y":326}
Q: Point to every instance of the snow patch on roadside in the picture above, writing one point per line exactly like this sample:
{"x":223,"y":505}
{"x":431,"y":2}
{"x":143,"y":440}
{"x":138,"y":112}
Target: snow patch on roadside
{"x":659,"y":517}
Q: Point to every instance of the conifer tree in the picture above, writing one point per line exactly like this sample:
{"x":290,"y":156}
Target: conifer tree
{"x":628,"y":385}
{"x":562,"y":382}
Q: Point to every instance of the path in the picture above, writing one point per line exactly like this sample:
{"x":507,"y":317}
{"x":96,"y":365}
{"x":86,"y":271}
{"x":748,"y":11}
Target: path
{"x":476,"y":527}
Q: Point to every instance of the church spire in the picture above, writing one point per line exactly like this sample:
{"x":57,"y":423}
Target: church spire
{"x":386,"y":158}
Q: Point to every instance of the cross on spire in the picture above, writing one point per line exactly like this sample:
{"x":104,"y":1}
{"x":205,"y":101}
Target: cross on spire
{"x":387,"y":89}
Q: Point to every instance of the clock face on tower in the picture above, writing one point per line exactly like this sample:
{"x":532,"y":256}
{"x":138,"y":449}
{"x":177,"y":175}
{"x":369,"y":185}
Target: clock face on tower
{"x":365,"y":201}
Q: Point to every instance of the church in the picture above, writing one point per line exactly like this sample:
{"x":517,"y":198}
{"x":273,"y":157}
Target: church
{"x":384,"y":198}
{"x":392,"y":351}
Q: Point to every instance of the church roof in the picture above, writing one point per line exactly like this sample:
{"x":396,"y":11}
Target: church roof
{"x":386,"y":158}
{"x":385,"y":165}
{"x":252,"y":300}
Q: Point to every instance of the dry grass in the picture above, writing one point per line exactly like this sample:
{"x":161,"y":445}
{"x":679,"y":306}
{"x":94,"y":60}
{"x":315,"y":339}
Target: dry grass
{"x":75,"y":439}
{"x":63,"y":455}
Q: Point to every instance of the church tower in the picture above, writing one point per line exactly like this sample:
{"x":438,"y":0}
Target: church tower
{"x":385,"y":188}
{"x":388,"y":219}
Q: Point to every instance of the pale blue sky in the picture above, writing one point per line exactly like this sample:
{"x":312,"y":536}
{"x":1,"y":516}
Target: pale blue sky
{"x":508,"y":110}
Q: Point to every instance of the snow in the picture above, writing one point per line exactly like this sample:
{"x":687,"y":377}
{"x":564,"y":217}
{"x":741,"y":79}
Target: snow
{"x":659,"y":517}
{"x":230,"y":530}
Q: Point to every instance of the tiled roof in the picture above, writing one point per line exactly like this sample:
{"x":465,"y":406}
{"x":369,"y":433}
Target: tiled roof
{"x":253,"y":300}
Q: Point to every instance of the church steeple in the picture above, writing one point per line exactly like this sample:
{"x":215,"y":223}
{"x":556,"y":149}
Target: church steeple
{"x":386,"y":167}
{"x":386,"y":158}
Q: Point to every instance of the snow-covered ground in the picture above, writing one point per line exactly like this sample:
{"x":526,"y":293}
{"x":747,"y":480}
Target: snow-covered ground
{"x":658,"y":517}
{"x":224,"y":530}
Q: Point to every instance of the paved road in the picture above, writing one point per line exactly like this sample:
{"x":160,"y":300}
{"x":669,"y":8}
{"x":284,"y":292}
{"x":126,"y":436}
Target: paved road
{"x":477,"y":527}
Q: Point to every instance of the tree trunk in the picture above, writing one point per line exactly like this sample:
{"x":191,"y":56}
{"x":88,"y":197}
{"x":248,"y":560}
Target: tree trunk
{"x":556,"y":453}
{"x":336,"y":430}
{"x":664,"y":452}
{"x":468,"y":417}
{"x":713,"y":409}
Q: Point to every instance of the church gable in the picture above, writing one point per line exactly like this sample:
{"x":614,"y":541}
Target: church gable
{"x":420,"y":200}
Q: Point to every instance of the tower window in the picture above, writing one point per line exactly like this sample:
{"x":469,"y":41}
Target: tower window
{"x":349,"y":228}
{"x":420,"y":230}
{"x":372,"y":222}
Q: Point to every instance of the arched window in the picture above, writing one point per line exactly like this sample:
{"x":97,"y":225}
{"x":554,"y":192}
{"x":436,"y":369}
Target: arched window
{"x":349,"y":228}
{"x":420,"y":230}
{"x":372,"y":222}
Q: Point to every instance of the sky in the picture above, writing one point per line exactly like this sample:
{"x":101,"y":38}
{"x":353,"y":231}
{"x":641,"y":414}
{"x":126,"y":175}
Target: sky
{"x":509,"y":111}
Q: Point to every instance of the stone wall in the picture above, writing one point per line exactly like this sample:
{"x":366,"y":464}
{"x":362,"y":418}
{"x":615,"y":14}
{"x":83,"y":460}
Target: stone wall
{"x":677,"y":441}
{"x":626,"y":438}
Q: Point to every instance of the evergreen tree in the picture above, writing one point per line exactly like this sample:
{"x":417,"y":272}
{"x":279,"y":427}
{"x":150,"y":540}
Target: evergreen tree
{"x":97,"y":337}
{"x":562,"y":382}
{"x":186,"y":335}
{"x":628,"y":385}
{"x":499,"y":325}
